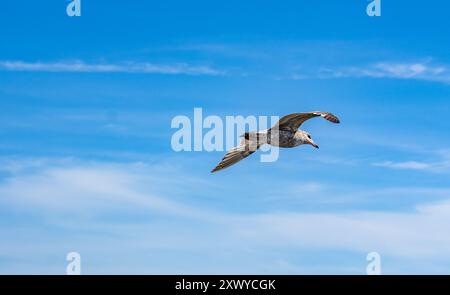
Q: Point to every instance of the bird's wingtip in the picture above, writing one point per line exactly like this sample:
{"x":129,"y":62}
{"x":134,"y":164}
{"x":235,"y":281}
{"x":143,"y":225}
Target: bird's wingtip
{"x":332,"y":118}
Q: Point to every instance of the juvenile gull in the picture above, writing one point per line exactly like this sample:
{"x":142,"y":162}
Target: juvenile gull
{"x":285,"y":133}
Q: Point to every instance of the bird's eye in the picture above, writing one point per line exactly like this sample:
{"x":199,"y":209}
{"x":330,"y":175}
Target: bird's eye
{"x":309,"y":136}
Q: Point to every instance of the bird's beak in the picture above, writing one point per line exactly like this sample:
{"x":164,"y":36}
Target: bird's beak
{"x":314,"y":145}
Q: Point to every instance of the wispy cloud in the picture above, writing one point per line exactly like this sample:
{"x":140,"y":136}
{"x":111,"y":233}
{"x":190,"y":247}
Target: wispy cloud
{"x":79,"y":196}
{"x":393,"y":70}
{"x":442,"y":164}
{"x":130,"y":67}
{"x":42,"y":183}
{"x":408,"y":165}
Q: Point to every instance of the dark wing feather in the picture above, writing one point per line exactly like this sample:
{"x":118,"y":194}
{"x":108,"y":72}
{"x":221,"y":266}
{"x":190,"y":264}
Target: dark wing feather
{"x":293,"y":121}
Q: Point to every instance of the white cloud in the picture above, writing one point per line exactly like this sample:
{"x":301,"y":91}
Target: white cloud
{"x":308,"y":187}
{"x":65,"y":194}
{"x":409,"y":165}
{"x":83,"y":67}
{"x":90,"y":188}
{"x":441,"y":165}
{"x":393,"y":70}
{"x":421,"y":233}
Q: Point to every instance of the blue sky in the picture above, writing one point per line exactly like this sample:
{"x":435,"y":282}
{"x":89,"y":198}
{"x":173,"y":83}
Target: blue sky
{"x":86,"y":105}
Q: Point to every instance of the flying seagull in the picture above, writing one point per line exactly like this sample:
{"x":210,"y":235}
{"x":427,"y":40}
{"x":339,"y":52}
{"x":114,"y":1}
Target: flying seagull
{"x":285,"y":133}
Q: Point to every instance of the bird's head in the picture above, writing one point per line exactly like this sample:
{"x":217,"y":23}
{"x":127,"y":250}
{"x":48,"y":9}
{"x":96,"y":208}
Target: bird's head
{"x":307,"y":139}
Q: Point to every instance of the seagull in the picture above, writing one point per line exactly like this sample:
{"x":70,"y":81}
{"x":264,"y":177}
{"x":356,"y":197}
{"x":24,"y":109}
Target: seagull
{"x":285,"y":133}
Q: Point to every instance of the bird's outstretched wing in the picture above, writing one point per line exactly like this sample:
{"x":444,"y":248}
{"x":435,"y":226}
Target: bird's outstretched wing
{"x":244,"y":149}
{"x":293,"y":121}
